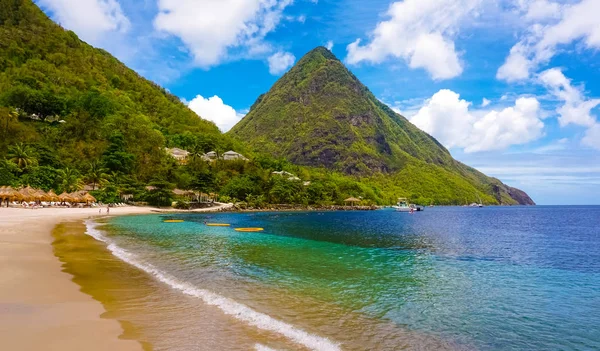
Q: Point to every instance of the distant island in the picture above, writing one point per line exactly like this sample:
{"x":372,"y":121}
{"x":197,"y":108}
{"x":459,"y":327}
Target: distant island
{"x":73,"y":117}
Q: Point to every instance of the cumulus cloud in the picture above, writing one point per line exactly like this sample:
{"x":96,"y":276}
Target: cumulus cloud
{"x":592,"y":137}
{"x":213,"y":109}
{"x":450,"y":119}
{"x":420,"y":32}
{"x":577,"y":108}
{"x":90,"y":19}
{"x":210,"y":29}
{"x":485,"y":102}
{"x":280,"y":62}
{"x":329,"y":45}
{"x":552,"y":25}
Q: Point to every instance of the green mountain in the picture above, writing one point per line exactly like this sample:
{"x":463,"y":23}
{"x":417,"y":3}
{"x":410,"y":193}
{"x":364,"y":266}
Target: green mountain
{"x":320,"y":115}
{"x":71,"y":114}
{"x":47,"y":73}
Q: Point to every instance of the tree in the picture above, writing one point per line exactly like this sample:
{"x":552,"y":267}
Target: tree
{"x":116,"y":158}
{"x":22,"y":155}
{"x":42,"y":177}
{"x":8,"y":115}
{"x":240,"y":187}
{"x":8,"y":172}
{"x":284,"y":191}
{"x":42,"y":103}
{"x":96,"y":174}
{"x":161,"y":195}
{"x":69,"y":180}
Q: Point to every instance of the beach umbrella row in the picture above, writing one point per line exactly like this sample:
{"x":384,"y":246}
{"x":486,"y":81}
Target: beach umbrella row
{"x":30,"y":194}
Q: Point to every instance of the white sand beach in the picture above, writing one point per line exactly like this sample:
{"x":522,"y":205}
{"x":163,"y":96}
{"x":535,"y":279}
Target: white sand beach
{"x":40,"y":307}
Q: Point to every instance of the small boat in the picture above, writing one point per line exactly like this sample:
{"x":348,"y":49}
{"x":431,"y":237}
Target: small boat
{"x":218,"y":224}
{"x":403,"y":206}
{"x":173,"y":221}
{"x":249,"y":230}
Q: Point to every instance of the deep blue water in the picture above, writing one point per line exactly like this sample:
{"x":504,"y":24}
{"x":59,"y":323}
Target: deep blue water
{"x":496,"y":278}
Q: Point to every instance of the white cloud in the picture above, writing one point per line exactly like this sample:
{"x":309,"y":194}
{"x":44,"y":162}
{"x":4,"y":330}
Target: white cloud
{"x":449,"y":119}
{"x":210,"y":29}
{"x":213,"y":109}
{"x":90,"y":19}
{"x":280,"y":62}
{"x":576,"y":109}
{"x":329,"y":45}
{"x":553,"y":25}
{"x":592,"y":137}
{"x":421,"y":32}
{"x":538,"y":10}
{"x":485,"y":102}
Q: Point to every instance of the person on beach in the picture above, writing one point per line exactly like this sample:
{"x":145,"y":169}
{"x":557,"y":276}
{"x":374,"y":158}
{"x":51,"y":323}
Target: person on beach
{"x":100,"y":210}
{"x":107,"y":209}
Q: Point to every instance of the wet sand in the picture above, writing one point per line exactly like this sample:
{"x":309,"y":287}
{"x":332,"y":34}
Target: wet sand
{"x":41,"y":308}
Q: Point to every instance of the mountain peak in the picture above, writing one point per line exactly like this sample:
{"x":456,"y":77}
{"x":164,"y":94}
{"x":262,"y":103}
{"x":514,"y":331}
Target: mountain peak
{"x":322,"y":51}
{"x":320,"y":114}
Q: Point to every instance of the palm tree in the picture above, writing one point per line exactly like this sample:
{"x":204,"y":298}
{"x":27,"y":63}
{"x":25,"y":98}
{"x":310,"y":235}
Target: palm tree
{"x":196,"y":152}
{"x":8,"y":114}
{"x":70,"y":180}
{"x":21,"y":155}
{"x":96,"y":174}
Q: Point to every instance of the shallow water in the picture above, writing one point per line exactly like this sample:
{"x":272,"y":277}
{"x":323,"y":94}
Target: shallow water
{"x":447,"y":278}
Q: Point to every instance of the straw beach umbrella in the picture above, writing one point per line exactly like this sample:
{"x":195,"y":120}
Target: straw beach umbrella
{"x":52,"y":196}
{"x":352,"y":200}
{"x":89,"y":198}
{"x":29,"y":194}
{"x":65,"y":197}
{"x":76,"y":197}
{"x":42,"y":195}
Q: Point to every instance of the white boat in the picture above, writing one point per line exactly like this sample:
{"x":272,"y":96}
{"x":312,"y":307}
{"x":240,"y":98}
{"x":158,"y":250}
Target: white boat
{"x":403,"y":206}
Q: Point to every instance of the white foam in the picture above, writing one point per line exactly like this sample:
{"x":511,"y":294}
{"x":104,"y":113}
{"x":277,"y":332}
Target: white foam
{"x":228,"y":306}
{"x":261,"y":347}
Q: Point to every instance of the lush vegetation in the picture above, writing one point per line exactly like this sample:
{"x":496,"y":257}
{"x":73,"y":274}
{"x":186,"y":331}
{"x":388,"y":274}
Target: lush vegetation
{"x":319,"y":114}
{"x":72,"y":115}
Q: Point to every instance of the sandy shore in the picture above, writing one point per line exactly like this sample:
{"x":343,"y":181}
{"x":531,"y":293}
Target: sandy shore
{"x":40,"y":307}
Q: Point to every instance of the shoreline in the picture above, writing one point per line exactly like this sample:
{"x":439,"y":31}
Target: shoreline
{"x":41,"y":308}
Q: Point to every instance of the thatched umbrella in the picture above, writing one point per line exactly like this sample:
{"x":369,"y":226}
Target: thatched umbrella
{"x":352,"y":200}
{"x":65,"y":197}
{"x":29,"y":194}
{"x":3,"y":195}
{"x":9,"y":194}
{"x":89,"y":198}
{"x":76,"y":197}
{"x":42,"y":195}
{"x":52,"y":195}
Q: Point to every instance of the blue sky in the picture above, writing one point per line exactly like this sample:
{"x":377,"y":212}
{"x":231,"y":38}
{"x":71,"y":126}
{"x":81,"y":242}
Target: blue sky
{"x":511,"y":87}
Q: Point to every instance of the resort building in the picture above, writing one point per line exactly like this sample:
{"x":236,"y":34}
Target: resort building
{"x":179,"y":154}
{"x":232,"y":155}
{"x":209,"y":156}
{"x":287,"y":175}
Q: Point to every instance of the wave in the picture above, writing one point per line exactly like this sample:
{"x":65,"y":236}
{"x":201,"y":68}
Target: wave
{"x":260,"y":347}
{"x":228,"y":306}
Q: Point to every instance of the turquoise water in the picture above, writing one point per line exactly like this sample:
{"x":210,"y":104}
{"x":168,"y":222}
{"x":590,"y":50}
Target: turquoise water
{"x":509,"y":278}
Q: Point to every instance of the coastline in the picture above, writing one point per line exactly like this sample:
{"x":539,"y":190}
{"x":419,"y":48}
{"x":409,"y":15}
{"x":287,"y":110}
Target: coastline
{"x":40,"y":306}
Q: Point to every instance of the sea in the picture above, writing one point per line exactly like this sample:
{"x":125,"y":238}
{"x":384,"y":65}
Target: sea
{"x":447,"y":278}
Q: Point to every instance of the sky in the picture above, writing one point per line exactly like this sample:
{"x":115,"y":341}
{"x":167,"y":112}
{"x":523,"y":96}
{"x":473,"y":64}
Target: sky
{"x":510,"y":87}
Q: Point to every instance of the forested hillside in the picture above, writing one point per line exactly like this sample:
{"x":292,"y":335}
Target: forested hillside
{"x":71,"y":114}
{"x":320,"y":115}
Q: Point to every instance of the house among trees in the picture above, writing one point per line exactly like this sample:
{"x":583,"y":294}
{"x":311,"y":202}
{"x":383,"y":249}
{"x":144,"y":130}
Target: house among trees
{"x":232,"y":155}
{"x":209,"y":156}
{"x":179,"y":154}
{"x":288,"y":175}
